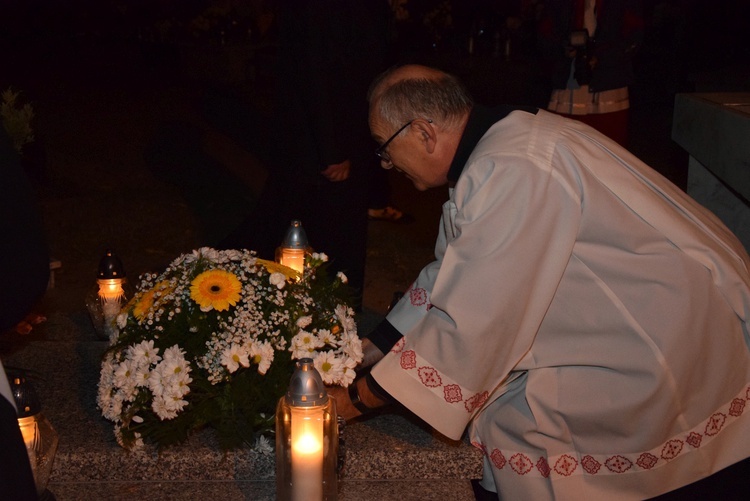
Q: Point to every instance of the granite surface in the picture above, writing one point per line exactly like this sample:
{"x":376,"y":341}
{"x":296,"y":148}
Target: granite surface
{"x":390,"y":455}
{"x":363,"y":490}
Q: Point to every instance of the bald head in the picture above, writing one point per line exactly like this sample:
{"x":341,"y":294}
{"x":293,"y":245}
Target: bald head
{"x":399,"y":73}
{"x":405,"y":92}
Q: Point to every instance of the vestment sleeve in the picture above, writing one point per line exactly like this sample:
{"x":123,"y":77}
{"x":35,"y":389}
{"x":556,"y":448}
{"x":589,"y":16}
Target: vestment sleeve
{"x":509,"y":232}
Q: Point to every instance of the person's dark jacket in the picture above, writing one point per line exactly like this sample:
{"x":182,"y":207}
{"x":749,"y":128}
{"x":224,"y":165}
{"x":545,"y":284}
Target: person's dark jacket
{"x":619,"y":31}
{"x":24,"y":259}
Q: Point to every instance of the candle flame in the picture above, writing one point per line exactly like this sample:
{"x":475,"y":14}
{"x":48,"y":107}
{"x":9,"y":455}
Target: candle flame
{"x":308,"y":443}
{"x":110,"y":289}
{"x":293,"y":258}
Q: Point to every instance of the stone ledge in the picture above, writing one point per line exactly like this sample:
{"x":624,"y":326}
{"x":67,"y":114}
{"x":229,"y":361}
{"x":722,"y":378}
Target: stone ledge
{"x":390,"y":447}
{"x":404,"y":490}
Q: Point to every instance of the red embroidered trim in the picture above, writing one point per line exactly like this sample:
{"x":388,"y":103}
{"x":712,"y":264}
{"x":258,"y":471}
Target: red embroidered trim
{"x":618,"y":464}
{"x":694,"y":439}
{"x":590,"y":464}
{"x":543,"y":466}
{"x":567,"y":464}
{"x":476,"y":401}
{"x":431,"y":378}
{"x":738,"y":405}
{"x":452,"y":393}
{"x":498,"y":459}
{"x":418,"y":296}
{"x":408,"y":360}
{"x":647,"y":461}
{"x":399,"y":345}
{"x":715,"y":424}
{"x":672,"y":449}
{"x":520,"y":463}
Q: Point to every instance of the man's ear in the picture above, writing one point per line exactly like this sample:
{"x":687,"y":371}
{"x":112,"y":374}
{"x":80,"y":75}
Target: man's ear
{"x":427,"y":134}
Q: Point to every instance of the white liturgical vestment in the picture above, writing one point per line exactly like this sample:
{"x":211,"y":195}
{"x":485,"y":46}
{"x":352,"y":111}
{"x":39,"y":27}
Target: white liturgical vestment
{"x":584,"y":317}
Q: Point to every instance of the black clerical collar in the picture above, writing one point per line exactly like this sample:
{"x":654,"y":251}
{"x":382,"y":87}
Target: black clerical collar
{"x":480,"y":120}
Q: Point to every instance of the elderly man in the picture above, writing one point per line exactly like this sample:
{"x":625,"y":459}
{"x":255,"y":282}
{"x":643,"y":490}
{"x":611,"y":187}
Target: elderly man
{"x":584,"y":317}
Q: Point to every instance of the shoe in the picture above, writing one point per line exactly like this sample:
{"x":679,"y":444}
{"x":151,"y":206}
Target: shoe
{"x":388,"y":213}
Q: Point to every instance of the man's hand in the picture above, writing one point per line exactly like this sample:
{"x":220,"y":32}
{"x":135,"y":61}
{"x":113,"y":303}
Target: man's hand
{"x":337,"y":172}
{"x":344,"y":407}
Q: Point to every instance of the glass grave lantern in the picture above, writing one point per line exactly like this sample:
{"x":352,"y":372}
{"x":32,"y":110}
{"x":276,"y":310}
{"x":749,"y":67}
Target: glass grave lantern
{"x":294,"y":247}
{"x":38,"y":434}
{"x":307,"y":439}
{"x":108,"y":295}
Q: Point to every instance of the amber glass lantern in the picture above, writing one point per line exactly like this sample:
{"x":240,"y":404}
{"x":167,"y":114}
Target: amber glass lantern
{"x":294,"y":248}
{"x":306,"y":439}
{"x":37,"y":432}
{"x":108,"y":295}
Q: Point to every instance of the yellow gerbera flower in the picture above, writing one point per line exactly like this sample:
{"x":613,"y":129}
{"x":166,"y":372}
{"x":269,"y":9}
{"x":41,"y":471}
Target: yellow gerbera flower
{"x":146,"y":301}
{"x":217,"y":289}
{"x":274,"y":267}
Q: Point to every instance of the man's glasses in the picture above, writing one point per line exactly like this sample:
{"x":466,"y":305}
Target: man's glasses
{"x":380,"y":151}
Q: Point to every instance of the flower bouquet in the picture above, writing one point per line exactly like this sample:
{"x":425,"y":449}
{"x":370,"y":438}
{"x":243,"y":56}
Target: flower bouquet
{"x":211,"y":342}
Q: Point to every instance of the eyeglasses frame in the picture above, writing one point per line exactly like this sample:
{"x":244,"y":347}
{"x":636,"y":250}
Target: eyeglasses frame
{"x":380,"y":151}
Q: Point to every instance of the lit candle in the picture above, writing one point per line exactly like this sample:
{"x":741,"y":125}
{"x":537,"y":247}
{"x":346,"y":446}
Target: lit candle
{"x":110,"y":289}
{"x":111,"y":294}
{"x":307,"y":454}
{"x":294,"y":259}
{"x":29,"y":432}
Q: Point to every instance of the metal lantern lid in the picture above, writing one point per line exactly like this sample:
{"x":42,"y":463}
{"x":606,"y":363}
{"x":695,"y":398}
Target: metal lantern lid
{"x":295,"y":237}
{"x":110,"y":267}
{"x":27,"y":401}
{"x":306,"y":388}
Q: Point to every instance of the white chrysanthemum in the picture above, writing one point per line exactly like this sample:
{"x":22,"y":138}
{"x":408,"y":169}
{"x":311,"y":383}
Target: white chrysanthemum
{"x":138,"y":444}
{"x":116,"y":405}
{"x":327,"y":337}
{"x":181,"y":383}
{"x":347,"y":372}
{"x":159,"y":406}
{"x":263,"y":446}
{"x":352,"y":345}
{"x":344,"y":279}
{"x":174,"y":401}
{"x":345,"y":316}
{"x":107,"y":373}
{"x":125,"y":376}
{"x":234,"y":356}
{"x":174,"y":352}
{"x":144,"y":353}
{"x":171,"y":367}
{"x":277,"y":279}
{"x":143,"y":376}
{"x":156,"y":383}
{"x":303,"y":322}
{"x":229,"y":255}
{"x":304,"y":344}
{"x":329,"y":367}
{"x":262,"y":354}
{"x":209,"y":254}
{"x":320,"y":256}
{"x":122,"y":320}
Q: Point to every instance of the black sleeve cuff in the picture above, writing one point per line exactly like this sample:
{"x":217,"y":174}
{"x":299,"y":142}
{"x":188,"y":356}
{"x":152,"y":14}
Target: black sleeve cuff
{"x":385,"y":336}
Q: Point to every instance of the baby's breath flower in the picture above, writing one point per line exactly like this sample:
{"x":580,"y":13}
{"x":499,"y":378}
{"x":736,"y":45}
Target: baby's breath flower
{"x":233,"y":325}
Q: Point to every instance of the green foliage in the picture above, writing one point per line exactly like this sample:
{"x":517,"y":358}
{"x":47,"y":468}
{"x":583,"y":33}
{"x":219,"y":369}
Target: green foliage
{"x":177,"y":364}
{"x":16,"y":119}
